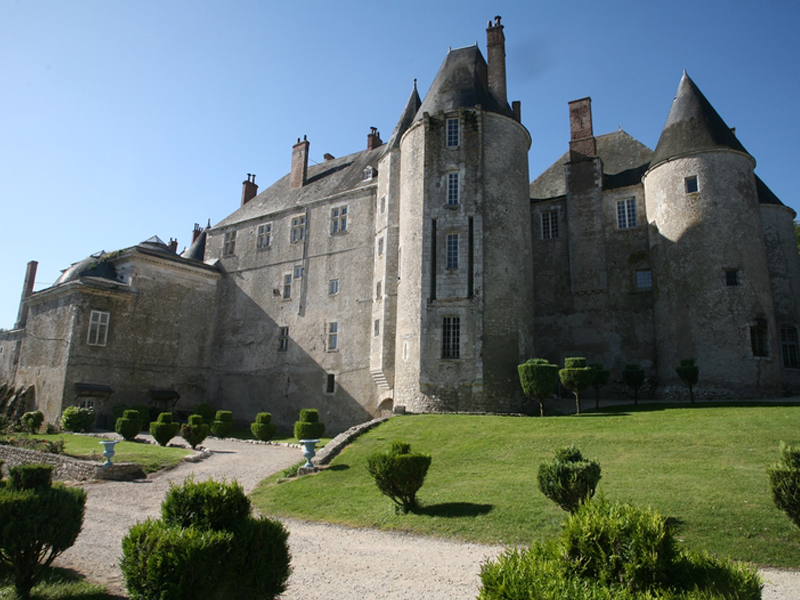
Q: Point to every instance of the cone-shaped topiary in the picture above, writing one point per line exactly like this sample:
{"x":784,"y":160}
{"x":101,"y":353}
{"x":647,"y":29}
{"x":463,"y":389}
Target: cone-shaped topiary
{"x":263,"y":429}
{"x":576,"y":377}
{"x":223,"y":424}
{"x":633,"y":375}
{"x":163,"y":430}
{"x":195,"y":431}
{"x":689,"y":374}
{"x":309,"y":426}
{"x":129,"y":424}
{"x":538,"y":379}
{"x":601,"y":376}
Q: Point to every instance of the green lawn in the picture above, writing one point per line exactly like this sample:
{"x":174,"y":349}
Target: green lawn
{"x":702,"y":466}
{"x":59,"y":584}
{"x":151,"y":457}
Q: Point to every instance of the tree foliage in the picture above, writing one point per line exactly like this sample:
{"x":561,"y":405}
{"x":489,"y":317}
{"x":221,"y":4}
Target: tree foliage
{"x":576,"y":377}
{"x":538,"y":379}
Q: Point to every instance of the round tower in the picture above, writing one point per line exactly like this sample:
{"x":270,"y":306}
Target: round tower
{"x":713,"y":300}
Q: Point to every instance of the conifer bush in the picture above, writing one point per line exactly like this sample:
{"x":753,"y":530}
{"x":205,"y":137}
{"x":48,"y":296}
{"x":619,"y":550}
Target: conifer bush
{"x":164,"y":429}
{"x":195,"y":431}
{"x":689,"y":374}
{"x":223,"y":424}
{"x":538,"y":379}
{"x":633,"y":376}
{"x":309,"y":426}
{"x":784,"y":482}
{"x":263,"y":429}
{"x":77,"y":419}
{"x":38,"y":522}
{"x":576,"y":377}
{"x":601,"y":377}
{"x":129,"y":425}
{"x":399,"y":474}
{"x":569,"y":480}
{"x":204,"y":409}
{"x":32,"y":421}
{"x":32,"y":476}
{"x":212,"y":505}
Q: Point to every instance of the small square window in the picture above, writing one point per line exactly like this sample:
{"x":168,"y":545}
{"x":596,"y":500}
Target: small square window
{"x":550,"y":225}
{"x":369,"y":173}
{"x":283,"y":339}
{"x":731,"y":277}
{"x":333,"y":287}
{"x":229,"y":243}
{"x":644,"y":279}
{"x":452,"y":133}
{"x":98,"y":328}
{"x":264,"y":236}
{"x":452,"y":189}
{"x":626,"y":213}
{"x":691,"y":184}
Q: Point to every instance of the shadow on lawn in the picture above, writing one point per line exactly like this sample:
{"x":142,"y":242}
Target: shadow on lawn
{"x":455,"y":509}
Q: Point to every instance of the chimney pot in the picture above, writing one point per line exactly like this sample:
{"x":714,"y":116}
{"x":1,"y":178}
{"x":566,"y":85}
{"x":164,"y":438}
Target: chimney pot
{"x":496,"y":63}
{"x":297,"y":176}
{"x":582,"y":144}
{"x":249,"y":189}
{"x":373,"y":138}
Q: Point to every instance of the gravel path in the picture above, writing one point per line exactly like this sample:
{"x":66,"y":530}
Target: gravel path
{"x":328,"y":561}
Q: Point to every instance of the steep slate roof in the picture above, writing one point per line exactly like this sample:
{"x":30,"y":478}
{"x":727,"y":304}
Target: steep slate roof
{"x":406,"y":118}
{"x":197,"y":250}
{"x":693,"y":126}
{"x":624,"y":162}
{"x":462,"y":82}
{"x":766,"y":195}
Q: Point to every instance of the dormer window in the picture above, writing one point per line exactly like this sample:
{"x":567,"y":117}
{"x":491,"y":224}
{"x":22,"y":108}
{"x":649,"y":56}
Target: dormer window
{"x":369,"y":173}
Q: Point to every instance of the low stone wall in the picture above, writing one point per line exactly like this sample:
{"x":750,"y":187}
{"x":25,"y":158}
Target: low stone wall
{"x":332,"y":448}
{"x":68,"y":468}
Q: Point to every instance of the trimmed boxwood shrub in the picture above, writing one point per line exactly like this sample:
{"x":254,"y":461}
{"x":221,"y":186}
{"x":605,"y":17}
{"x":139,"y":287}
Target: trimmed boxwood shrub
{"x":263,"y":429}
{"x":309,"y":426}
{"x":207,"y":545}
{"x":633,"y":376}
{"x":163,"y":430}
{"x":576,"y":377}
{"x":538,"y":379}
{"x":784,"y":482}
{"x":204,"y":409}
{"x":31,"y":476}
{"x":569,"y":480}
{"x":195,"y":431}
{"x":689,"y":374}
{"x":399,"y":474}
{"x":601,"y":377}
{"x":223,"y":424}
{"x":32,"y":421}
{"x":129,"y":424}
{"x":145,"y":415}
{"x":38,"y":524}
{"x":77,"y":419}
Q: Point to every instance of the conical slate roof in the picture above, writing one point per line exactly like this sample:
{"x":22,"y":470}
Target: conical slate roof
{"x":197,"y":250}
{"x":406,"y":118}
{"x":462,"y":82}
{"x":693,"y":126}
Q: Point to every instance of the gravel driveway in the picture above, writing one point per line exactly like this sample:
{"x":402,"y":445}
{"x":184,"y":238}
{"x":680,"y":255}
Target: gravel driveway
{"x":328,"y":561}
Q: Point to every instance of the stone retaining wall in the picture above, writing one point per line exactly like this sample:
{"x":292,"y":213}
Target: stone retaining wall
{"x":66,"y":467}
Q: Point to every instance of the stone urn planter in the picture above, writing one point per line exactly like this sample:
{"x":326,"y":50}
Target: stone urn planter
{"x":108,"y":451}
{"x":308,"y":430}
{"x":309,"y":452}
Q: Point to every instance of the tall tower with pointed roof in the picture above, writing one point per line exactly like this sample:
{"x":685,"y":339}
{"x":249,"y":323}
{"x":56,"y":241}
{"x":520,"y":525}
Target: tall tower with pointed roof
{"x":712,"y":293}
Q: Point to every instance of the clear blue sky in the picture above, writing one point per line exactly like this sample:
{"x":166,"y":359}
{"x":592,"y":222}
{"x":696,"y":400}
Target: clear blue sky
{"x":120,"y":120}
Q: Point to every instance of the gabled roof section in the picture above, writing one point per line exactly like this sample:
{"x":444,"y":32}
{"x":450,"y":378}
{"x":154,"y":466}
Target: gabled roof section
{"x":322,"y":180}
{"x":462,"y":82}
{"x":406,"y":118}
{"x":624,"y":158}
{"x":693,"y":126}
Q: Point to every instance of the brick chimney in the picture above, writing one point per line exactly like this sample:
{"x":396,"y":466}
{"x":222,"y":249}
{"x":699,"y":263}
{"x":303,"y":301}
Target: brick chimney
{"x":196,"y":232}
{"x":249,"y":188}
{"x":496,"y":51}
{"x":582,"y":144}
{"x":373,"y":138}
{"x":297,"y":176}
{"x":173,"y":245}
{"x":27,"y":290}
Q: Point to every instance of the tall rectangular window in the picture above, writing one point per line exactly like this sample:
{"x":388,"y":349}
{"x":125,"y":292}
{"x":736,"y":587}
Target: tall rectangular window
{"x":339,"y":219}
{"x":330,"y":383}
{"x":298,"y":272}
{"x":380,"y":246}
{"x":644,"y":279}
{"x":452,"y":133}
{"x":98,"y":328}
{"x":287,"y":286}
{"x":451,"y":337}
{"x":378,"y":290}
{"x":376,"y":328}
{"x":626,"y":213}
{"x":298,"y":231}
{"x":789,"y":347}
{"x":550,"y":225}
{"x":452,"y":189}
{"x":263,"y":236}
{"x":451,"y":258}
{"x":229,"y":243}
{"x":333,"y":287}
{"x":333,"y":336}
{"x":758,"y":338}
{"x":283,"y":339}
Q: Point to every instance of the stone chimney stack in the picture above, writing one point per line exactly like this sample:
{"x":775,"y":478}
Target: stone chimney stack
{"x":582,"y":144}
{"x":249,"y":188}
{"x":173,"y":245}
{"x":373,"y":138}
{"x":297,"y":176}
{"x":196,"y":232}
{"x":496,"y":50}
{"x":27,"y":290}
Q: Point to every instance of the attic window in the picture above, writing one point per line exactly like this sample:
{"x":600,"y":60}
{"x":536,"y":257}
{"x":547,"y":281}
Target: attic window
{"x":691,"y":184}
{"x":369,"y":173}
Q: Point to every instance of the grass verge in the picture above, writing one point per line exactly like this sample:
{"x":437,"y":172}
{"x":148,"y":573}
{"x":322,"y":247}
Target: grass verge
{"x":59,"y":584}
{"x":704,"y":467}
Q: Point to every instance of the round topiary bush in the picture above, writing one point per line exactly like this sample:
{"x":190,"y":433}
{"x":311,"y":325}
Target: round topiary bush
{"x":569,"y":480}
{"x":263,"y":429}
{"x":129,"y":425}
{"x":195,"y":431}
{"x":163,"y":430}
{"x":32,"y":421}
{"x":77,"y":419}
{"x":223,"y":424}
{"x":399,"y":474}
{"x":215,"y":505}
{"x":309,"y":426}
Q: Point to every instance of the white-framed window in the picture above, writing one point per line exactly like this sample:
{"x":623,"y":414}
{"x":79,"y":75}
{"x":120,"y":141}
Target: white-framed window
{"x":339,"y":219}
{"x":283,"y":338}
{"x":380,"y":246}
{"x":758,"y":338}
{"x":451,"y":337}
{"x":376,"y":328}
{"x":731,"y":277}
{"x":453,"y":189}
{"x":333,"y":287}
{"x":789,"y":347}
{"x":330,"y":383}
{"x":287,"y":286}
{"x":86,"y":403}
{"x":333,"y":336}
{"x":298,"y":272}
{"x":229,"y":243}
{"x":298,"y":230}
{"x":644,"y":279}
{"x":690,"y":184}
{"x":369,"y":173}
{"x":98,"y":328}
{"x":378,"y":290}
{"x":550,"y":225}
{"x":451,"y":251}
{"x":263,"y":236}
{"x":453,"y":128}
{"x":626,"y":213}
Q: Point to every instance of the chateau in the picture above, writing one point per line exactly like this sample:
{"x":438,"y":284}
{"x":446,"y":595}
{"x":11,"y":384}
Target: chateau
{"x":420,"y":271}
